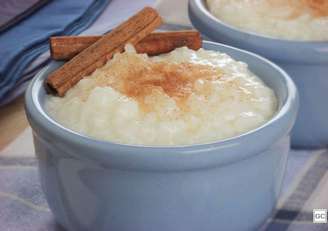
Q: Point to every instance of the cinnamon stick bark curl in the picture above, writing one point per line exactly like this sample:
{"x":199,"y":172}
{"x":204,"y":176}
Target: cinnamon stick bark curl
{"x":66,"y":47}
{"x":95,"y":56}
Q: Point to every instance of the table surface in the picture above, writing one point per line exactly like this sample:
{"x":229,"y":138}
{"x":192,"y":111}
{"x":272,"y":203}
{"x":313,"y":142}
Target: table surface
{"x":22,"y":203}
{"x":12,"y":121}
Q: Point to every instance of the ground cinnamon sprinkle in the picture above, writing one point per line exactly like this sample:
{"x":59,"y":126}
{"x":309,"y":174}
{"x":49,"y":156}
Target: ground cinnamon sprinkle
{"x":319,"y":8}
{"x":137,"y":77}
{"x":316,"y":8}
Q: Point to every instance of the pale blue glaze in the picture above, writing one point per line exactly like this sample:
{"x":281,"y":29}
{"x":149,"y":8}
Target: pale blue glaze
{"x":306,"y":62}
{"x":97,"y":185}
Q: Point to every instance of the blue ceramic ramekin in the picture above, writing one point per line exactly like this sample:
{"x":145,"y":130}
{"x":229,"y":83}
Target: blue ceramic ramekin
{"x":98,"y":185}
{"x":305,"y":62}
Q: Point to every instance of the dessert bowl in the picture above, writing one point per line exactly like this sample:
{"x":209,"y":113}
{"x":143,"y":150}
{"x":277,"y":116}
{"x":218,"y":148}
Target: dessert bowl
{"x":305,"y":61}
{"x":97,"y":185}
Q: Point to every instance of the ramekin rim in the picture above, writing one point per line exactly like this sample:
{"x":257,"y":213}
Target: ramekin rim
{"x":34,"y":108}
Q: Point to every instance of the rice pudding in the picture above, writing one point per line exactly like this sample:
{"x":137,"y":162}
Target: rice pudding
{"x":285,"y":19}
{"x":179,"y":98}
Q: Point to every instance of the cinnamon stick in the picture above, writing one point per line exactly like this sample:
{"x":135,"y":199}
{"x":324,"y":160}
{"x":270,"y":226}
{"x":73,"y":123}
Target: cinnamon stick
{"x":132,"y":31}
{"x":66,"y":47}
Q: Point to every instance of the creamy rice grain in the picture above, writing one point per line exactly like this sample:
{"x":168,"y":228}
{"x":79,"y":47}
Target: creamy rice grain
{"x":285,"y":19}
{"x":184,"y":97}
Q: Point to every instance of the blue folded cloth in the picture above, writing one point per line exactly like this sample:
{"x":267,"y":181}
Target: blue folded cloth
{"x":20,"y":45}
{"x":14,"y":11}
